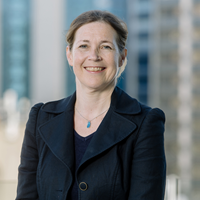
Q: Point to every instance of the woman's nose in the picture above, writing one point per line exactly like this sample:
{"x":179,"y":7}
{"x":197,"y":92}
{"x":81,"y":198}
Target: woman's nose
{"x":94,"y":55}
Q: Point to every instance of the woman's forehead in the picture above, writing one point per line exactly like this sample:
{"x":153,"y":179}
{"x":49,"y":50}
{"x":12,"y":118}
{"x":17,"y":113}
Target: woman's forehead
{"x":95,"y":30}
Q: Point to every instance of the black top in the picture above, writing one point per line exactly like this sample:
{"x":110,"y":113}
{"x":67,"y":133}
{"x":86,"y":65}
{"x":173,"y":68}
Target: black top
{"x":80,"y":146}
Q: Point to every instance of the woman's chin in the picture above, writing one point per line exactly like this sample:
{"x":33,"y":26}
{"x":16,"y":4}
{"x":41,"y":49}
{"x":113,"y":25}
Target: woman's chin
{"x":98,"y":86}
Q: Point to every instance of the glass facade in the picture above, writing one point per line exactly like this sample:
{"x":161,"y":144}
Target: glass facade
{"x":15,"y":46}
{"x":178,"y":54}
{"x":140,"y":26}
{"x":143,"y":62}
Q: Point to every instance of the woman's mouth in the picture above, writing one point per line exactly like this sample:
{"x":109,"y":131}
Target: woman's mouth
{"x":94,"y":69}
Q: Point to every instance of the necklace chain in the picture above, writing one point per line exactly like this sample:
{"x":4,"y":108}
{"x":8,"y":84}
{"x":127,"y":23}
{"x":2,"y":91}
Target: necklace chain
{"x":89,"y":121}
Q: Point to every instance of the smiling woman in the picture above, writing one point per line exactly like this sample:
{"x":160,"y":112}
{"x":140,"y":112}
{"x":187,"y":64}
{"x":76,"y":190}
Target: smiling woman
{"x":95,"y":56}
{"x":99,"y":143}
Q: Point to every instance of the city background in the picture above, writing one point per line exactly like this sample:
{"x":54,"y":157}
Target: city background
{"x":163,"y":71}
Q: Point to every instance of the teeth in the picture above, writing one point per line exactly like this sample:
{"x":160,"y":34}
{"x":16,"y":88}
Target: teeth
{"x":94,"y":69}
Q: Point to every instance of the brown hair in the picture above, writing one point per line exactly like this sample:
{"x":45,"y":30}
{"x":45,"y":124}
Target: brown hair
{"x":103,"y":16}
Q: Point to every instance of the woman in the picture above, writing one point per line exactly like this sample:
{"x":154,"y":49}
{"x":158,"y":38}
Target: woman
{"x":99,"y":143}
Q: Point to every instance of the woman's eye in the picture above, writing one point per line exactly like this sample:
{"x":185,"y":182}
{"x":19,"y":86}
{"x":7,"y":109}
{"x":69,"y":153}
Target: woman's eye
{"x":83,"y":46}
{"x":107,"y":47}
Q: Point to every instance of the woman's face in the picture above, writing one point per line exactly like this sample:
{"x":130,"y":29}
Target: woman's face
{"x":95,"y":56}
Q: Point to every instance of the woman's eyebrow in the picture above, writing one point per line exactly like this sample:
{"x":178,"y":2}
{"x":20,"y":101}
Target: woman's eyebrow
{"x":103,"y":41}
{"x":83,"y":41}
{"x":106,"y":41}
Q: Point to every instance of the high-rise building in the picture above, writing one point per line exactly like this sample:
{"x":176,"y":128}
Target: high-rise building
{"x":48,"y":73}
{"x":32,"y":49}
{"x":168,"y":31}
{"x":15,"y":43}
{"x":139,"y":47}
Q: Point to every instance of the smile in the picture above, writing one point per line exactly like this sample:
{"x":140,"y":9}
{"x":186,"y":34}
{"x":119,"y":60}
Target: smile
{"x":94,"y":69}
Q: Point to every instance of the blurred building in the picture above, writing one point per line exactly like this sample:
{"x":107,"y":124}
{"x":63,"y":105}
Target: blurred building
{"x":140,"y":24}
{"x":15,"y":37}
{"x":32,"y":49}
{"x":165,"y":51}
{"x":15,"y":43}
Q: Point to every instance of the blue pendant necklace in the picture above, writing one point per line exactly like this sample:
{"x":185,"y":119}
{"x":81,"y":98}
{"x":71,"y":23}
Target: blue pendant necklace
{"x":89,"y":121}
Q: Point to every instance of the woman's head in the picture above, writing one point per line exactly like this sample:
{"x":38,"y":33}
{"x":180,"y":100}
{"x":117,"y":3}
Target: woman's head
{"x":102,"y":17}
{"x":99,"y":16}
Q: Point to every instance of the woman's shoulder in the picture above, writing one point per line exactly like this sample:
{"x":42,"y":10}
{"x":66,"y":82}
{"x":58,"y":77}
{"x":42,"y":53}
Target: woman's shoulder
{"x":58,"y":106}
{"x":55,"y":107}
{"x":154,"y":111}
{"x":34,"y":112}
{"x":126,"y":104}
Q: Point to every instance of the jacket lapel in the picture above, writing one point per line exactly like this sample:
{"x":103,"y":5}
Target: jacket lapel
{"x":114,"y":127}
{"x":58,"y":131}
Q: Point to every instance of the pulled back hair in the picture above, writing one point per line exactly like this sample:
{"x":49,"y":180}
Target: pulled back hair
{"x":100,"y":16}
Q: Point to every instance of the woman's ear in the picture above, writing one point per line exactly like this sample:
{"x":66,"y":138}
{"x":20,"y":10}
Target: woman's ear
{"x":69,"y":56}
{"x":122,"y":57}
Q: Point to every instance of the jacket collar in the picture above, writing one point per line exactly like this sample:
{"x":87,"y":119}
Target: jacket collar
{"x":120,"y":102}
{"x":58,"y":131}
{"x":60,"y":106}
{"x":123,"y":103}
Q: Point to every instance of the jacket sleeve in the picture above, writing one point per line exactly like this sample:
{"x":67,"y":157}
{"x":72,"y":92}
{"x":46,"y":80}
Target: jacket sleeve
{"x":27,"y":187}
{"x":148,"y":173}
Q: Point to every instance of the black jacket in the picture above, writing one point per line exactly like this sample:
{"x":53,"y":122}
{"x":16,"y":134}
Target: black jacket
{"x":125,"y":159}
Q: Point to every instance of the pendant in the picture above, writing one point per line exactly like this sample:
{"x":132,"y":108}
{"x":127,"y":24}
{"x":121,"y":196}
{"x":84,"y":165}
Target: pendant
{"x":88,"y":124}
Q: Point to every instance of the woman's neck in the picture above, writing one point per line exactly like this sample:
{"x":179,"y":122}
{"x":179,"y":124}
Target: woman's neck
{"x":91,"y":103}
